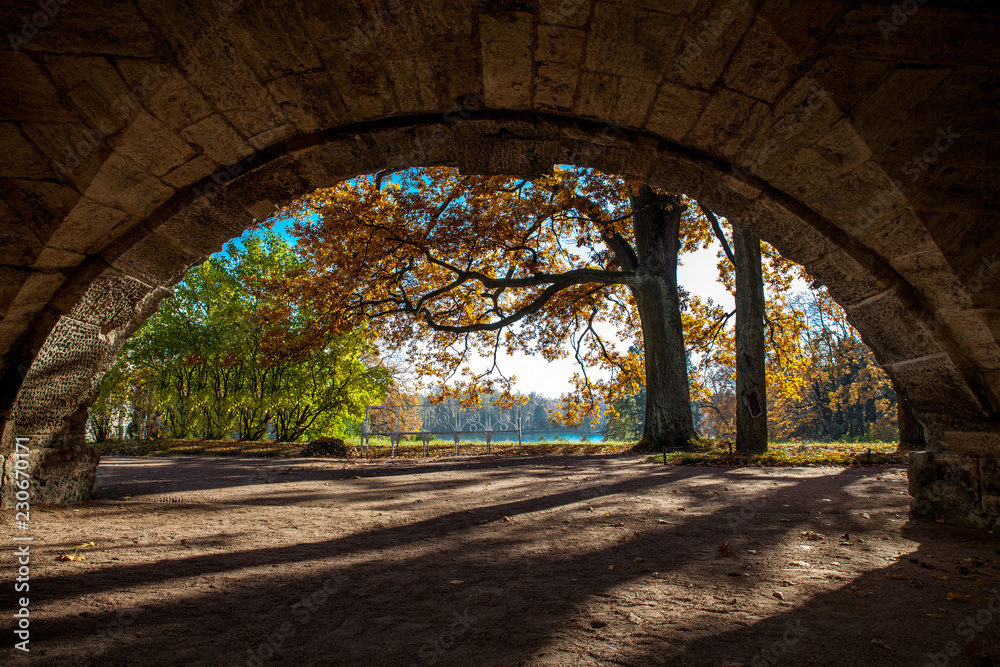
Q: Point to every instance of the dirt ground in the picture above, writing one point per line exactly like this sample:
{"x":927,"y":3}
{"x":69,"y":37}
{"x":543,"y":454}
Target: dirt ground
{"x":560,"y":560}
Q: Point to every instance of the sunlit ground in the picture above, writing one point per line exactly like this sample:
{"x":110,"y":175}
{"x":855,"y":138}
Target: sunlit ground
{"x":556,"y":560}
{"x":707,"y":452}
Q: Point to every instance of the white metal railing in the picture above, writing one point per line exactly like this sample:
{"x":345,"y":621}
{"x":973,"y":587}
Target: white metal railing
{"x":425,"y":420}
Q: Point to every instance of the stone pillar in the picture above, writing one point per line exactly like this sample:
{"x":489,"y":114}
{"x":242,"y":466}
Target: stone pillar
{"x":959,"y":487}
{"x":51,"y":406}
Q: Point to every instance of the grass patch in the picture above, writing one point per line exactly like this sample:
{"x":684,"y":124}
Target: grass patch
{"x":721,"y":453}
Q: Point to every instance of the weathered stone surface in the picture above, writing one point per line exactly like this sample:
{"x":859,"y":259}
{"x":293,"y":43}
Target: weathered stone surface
{"x":58,"y":475}
{"x":799,"y":120}
{"x":676,"y":110}
{"x":951,"y":486}
{"x":729,"y":122}
{"x":120,"y":183}
{"x":217,"y":139}
{"x":762,"y":66}
{"x":506,"y":40}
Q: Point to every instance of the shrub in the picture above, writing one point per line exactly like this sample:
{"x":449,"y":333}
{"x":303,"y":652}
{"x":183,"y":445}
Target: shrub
{"x":329,"y":447}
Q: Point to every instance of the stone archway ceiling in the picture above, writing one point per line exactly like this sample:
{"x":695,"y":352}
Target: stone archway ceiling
{"x":855,"y":137}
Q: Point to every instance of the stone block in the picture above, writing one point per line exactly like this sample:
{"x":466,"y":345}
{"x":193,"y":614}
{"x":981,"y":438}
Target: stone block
{"x":762,"y":65}
{"x":110,"y":301}
{"x":35,"y":293}
{"x":507,"y":155}
{"x":120,"y":183}
{"x":28,"y":94}
{"x":177,"y":103}
{"x":156,"y":261}
{"x":973,"y":442}
{"x":892,"y":330}
{"x":217,"y":139}
{"x":938,"y":391}
{"x":558,"y":44}
{"x":204,"y":227}
{"x":711,"y":35}
{"x":629,"y":41}
{"x":555,"y":85}
{"x":55,"y":258}
{"x":277,"y":181}
{"x":793,"y":237}
{"x":564,"y":12}
{"x":857,"y":198}
{"x":729,"y":121}
{"x":192,"y":171}
{"x":72,"y":151}
{"x":614,"y":99}
{"x":676,"y":110}
{"x":21,"y":159}
{"x":153,"y":146}
{"x":848,"y":280}
{"x":505,"y":42}
{"x":64,"y":474}
{"x":959,"y":488}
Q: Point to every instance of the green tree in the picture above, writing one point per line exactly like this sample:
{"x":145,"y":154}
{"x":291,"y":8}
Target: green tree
{"x":213,"y":361}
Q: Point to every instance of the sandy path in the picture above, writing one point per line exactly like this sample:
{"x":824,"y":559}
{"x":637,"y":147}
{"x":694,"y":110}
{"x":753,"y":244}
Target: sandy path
{"x":573,"y":560}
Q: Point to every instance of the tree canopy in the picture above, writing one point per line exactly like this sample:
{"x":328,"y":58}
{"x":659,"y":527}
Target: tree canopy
{"x":215,"y":360}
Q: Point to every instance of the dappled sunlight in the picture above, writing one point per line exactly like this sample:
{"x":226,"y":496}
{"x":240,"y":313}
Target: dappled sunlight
{"x":593,"y":560}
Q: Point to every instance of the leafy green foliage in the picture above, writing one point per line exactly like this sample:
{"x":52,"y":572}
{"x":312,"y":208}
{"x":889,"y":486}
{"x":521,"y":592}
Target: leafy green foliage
{"x":213,"y":361}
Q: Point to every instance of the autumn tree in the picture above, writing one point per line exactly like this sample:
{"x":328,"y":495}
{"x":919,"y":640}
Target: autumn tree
{"x":751,"y":374}
{"x":740,"y":369}
{"x":453,"y":266}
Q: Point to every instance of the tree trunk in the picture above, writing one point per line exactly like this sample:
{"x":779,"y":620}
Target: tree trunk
{"x":911,"y":431}
{"x":751,"y":379}
{"x":656,"y":221}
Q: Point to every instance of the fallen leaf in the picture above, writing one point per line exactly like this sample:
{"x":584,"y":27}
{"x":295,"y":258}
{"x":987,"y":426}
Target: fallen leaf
{"x":778,"y":594}
{"x":962,"y":597}
{"x":865,"y":515}
{"x":505,"y":519}
{"x":455,"y":582}
{"x":942,"y":577}
{"x":84,"y":545}
{"x":812,"y":535}
{"x":882,"y":644}
{"x":799,"y":563}
{"x":725,"y":550}
{"x":611,"y":567}
{"x":71,"y":557}
{"x":897,"y":577}
{"x":662,"y":521}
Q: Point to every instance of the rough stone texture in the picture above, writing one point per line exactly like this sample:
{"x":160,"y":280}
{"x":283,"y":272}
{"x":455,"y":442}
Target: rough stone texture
{"x":139,"y":138}
{"x":63,"y":474}
{"x":962,"y":489}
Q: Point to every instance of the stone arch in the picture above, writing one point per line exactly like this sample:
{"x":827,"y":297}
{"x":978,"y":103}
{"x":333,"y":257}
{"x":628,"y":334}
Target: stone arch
{"x":789,"y":121}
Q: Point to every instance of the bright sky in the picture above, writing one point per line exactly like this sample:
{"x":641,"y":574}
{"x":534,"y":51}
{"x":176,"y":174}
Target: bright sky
{"x":698,"y":275}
